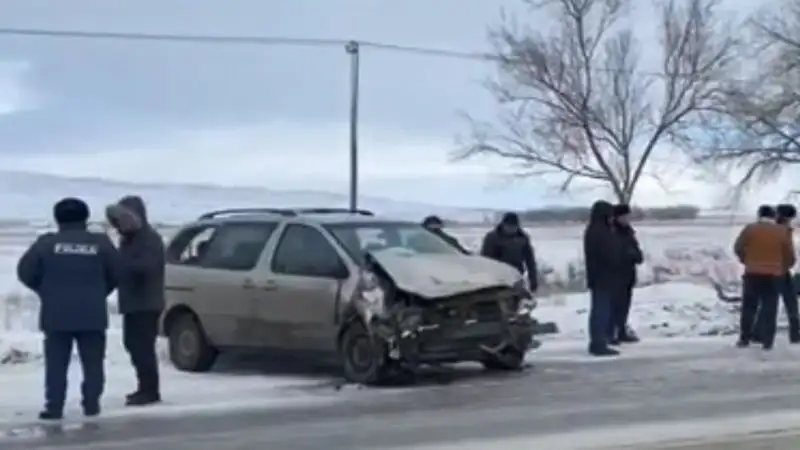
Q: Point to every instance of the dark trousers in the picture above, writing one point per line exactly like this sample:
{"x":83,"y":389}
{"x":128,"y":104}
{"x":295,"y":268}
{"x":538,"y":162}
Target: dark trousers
{"x":620,"y":310}
{"x":759,"y":298}
{"x":788,"y":294}
{"x":139,"y":333}
{"x":57,"y":355}
{"x":599,"y":317}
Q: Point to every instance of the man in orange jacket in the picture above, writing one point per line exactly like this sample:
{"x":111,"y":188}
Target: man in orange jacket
{"x":766,"y":250}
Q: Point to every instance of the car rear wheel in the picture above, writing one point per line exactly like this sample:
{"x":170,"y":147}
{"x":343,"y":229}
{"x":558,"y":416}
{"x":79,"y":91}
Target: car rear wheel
{"x":507,"y":360}
{"x":364,"y":359}
{"x":189,"y":350}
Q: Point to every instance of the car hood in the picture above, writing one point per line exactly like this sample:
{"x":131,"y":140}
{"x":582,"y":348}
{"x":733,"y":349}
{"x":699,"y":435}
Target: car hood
{"x":443,"y":275}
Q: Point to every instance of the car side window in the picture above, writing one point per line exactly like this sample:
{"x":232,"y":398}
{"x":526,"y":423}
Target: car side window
{"x":237,"y":246}
{"x":189,"y":245}
{"x":304,"y":251}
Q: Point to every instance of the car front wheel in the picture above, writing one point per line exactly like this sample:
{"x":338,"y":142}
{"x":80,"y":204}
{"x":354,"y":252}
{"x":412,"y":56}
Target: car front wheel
{"x":364,"y":359}
{"x":189,"y":349}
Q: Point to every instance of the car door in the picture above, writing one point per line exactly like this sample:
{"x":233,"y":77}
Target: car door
{"x":187,"y":283}
{"x":224,"y":288}
{"x":303,"y":301}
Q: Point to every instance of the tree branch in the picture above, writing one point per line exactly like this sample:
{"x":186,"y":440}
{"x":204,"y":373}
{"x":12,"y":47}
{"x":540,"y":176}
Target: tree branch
{"x":577,"y":103}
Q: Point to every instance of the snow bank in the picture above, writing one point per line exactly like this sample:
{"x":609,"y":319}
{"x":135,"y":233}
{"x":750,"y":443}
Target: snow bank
{"x":664,"y":310}
{"x":676,"y":258}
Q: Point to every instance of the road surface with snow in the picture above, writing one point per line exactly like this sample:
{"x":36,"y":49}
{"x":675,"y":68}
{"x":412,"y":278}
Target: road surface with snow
{"x":566,"y":400}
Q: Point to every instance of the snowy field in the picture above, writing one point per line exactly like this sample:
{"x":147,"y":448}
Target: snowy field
{"x":675,"y":300}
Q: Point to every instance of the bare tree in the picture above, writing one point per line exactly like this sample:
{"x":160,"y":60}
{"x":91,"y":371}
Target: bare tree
{"x":758,"y":130}
{"x":578,"y":102}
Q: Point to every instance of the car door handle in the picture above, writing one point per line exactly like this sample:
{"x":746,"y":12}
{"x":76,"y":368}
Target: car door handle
{"x":268,"y":285}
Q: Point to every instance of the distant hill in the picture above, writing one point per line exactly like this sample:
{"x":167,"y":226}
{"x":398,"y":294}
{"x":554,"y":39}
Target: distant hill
{"x":26,"y":196}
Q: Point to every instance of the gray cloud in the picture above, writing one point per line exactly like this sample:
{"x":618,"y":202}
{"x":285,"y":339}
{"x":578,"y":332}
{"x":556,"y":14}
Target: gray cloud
{"x":109,"y":90}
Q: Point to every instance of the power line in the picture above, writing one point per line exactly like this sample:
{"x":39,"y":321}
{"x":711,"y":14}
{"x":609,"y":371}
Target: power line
{"x":169,"y":37}
{"x":238,"y":40}
{"x":272,"y":41}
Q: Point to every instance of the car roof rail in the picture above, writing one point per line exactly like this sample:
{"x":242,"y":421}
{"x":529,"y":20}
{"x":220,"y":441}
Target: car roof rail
{"x":360,"y":212}
{"x":232,"y":211}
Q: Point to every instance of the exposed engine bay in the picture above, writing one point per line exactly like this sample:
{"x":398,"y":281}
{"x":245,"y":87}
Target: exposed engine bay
{"x":492,"y":322}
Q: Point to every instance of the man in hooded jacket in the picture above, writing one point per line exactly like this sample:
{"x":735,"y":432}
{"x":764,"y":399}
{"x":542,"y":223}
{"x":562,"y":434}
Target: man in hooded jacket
{"x":435,"y":225}
{"x":606,"y":274}
{"x":621,"y":332}
{"x":509,"y":243}
{"x":140,"y":293}
{"x":73,"y":271}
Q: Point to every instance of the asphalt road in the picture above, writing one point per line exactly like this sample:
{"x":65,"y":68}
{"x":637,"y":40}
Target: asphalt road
{"x":550,"y":402}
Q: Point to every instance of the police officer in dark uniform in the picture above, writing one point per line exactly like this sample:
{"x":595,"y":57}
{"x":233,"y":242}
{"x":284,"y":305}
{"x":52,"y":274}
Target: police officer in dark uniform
{"x":73,"y":271}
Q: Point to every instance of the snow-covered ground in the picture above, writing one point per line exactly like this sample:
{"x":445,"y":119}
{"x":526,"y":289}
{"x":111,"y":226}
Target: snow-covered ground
{"x":672,"y":309}
{"x":674,"y":301}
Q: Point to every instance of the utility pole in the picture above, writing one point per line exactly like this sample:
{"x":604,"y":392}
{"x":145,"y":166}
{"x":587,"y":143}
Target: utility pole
{"x":352,"y":49}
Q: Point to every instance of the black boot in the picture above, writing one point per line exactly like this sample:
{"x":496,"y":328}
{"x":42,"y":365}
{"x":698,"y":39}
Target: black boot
{"x":50,"y":414}
{"x":743,"y":343}
{"x":91,"y":409}
{"x":142,"y":399}
{"x":602,"y":351}
{"x":794,"y":331}
{"x":628,"y":336}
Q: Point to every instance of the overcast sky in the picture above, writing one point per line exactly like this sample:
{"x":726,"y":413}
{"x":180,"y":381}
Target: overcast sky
{"x":261,"y":116}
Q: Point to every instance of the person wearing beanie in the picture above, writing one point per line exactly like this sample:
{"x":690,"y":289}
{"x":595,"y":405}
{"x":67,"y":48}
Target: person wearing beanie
{"x":785,"y":214}
{"x":509,"y":243}
{"x":435,"y":225}
{"x":140,"y":294}
{"x":620,"y":331}
{"x":72,"y":271}
{"x":766,"y":251}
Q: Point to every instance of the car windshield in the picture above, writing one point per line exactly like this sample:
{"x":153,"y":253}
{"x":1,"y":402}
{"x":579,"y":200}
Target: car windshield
{"x":359,"y":238}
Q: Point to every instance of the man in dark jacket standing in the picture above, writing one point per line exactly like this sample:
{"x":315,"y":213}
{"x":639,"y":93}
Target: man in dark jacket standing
{"x":621,"y":332}
{"x":606,"y":276}
{"x":140,"y":293}
{"x":435,"y":225}
{"x":508,"y":243}
{"x":73,"y":271}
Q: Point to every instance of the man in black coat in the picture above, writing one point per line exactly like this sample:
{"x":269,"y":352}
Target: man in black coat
{"x":140,"y":293}
{"x":509,"y":243}
{"x":604,"y":253}
{"x":620,"y":331}
{"x":435,"y":225}
{"x":73,"y":271}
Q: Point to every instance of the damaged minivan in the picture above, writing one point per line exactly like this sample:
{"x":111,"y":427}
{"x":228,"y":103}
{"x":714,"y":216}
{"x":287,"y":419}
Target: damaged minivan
{"x":382,"y":296}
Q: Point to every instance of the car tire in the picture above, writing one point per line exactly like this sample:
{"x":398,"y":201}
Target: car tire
{"x":511,"y":360}
{"x":364,"y":360}
{"x":189,"y":349}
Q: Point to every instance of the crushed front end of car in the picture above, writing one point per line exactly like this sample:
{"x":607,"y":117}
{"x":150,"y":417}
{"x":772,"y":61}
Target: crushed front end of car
{"x":488,"y":321}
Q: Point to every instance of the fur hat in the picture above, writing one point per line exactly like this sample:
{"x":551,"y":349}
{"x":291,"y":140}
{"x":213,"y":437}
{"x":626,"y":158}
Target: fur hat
{"x":766,"y":212}
{"x":786,"y":211}
{"x":510,"y":218}
{"x":71,"y":210}
{"x":432,"y":221}
{"x":622,"y":209}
